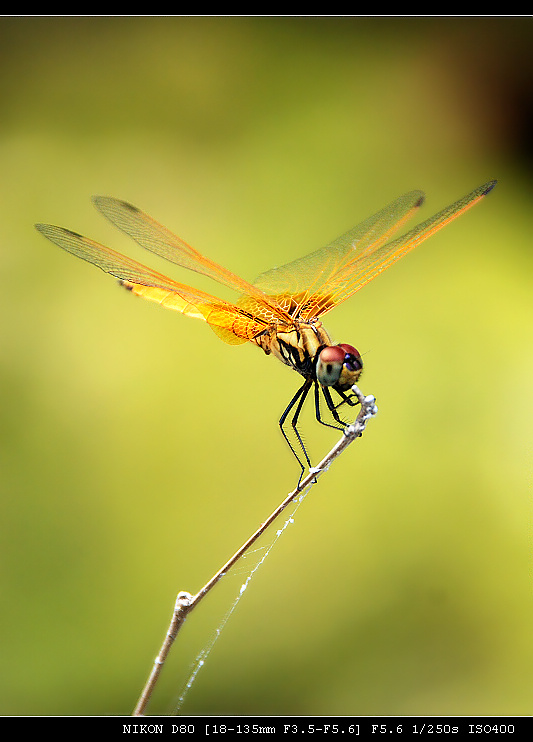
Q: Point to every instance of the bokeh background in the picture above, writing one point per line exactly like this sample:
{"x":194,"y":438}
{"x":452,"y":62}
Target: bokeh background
{"x":138,"y":451}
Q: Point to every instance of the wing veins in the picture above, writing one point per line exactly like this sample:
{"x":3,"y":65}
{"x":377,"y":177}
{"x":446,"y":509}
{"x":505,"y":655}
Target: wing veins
{"x":155,"y":286}
{"x":156,"y":238}
{"x":378,"y":256}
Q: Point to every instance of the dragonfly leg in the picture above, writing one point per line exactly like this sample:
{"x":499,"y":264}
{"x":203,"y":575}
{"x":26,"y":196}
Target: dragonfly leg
{"x":331,"y":407}
{"x":352,"y":399}
{"x":299,"y":398}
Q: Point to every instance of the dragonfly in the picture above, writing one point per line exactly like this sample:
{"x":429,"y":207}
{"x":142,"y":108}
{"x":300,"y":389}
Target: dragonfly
{"x":281,"y":311}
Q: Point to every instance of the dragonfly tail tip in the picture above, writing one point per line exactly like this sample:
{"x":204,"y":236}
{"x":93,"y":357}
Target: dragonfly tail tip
{"x":490,"y":185}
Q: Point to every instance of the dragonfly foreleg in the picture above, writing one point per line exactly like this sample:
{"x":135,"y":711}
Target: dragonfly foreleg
{"x":332,"y":407}
{"x":350,"y":399}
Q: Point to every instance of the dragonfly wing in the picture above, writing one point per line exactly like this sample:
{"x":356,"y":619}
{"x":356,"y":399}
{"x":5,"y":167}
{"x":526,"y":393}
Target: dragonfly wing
{"x":156,"y":238}
{"x":371,"y":257}
{"x":232,"y":323}
{"x":314,"y":270}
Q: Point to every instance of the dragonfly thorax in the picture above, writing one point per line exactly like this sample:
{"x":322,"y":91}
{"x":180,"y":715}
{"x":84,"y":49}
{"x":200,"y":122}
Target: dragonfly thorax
{"x":296,"y":345}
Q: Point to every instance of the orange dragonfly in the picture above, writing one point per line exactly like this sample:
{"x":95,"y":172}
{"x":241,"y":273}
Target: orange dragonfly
{"x":281,"y":311}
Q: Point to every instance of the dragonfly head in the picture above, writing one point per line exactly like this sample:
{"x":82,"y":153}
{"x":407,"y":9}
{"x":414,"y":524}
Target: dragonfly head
{"x":339,"y":366}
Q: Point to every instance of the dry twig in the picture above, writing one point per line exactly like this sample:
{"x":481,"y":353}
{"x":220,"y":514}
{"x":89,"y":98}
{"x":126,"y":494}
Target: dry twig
{"x":185,"y":602}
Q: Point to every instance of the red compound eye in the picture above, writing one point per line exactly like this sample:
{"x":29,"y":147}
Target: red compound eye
{"x":350,"y":349}
{"x":333,"y":354}
{"x":352,"y":360}
{"x":329,"y":364}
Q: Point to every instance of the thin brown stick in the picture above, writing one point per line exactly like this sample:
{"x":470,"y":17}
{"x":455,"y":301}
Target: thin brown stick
{"x":185,"y":602}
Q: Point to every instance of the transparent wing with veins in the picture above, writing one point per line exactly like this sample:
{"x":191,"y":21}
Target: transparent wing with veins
{"x":230,"y":322}
{"x":156,"y":238}
{"x":324,"y":278}
{"x":303,"y":289}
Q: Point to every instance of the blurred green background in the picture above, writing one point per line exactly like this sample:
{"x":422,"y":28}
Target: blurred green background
{"x":138,"y":451}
